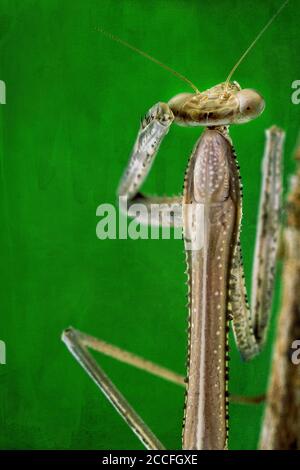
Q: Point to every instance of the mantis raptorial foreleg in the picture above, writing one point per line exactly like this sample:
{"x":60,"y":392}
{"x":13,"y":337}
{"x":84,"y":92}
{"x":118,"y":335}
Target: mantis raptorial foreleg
{"x":154,"y":127}
{"x":250,"y":325}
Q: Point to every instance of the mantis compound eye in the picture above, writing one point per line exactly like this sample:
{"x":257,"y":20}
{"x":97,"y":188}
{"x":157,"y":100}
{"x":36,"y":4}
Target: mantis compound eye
{"x":251,"y":105}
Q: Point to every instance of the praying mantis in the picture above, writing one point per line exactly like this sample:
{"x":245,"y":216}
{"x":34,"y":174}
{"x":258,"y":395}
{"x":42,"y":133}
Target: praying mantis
{"x":210,"y":216}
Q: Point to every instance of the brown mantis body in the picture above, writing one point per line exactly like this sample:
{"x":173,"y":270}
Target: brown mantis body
{"x":210,"y":213}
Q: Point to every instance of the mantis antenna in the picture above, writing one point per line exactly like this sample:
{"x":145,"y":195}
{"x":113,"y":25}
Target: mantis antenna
{"x":179,"y":75}
{"x":254,"y":42}
{"x":144,"y":54}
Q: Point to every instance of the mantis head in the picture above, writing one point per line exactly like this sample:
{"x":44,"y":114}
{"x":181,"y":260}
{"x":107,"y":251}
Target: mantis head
{"x":221,"y":105}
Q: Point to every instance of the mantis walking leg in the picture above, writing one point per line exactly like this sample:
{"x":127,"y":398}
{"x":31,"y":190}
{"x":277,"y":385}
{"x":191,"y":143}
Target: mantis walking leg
{"x":153,"y":129}
{"x":139,"y":362}
{"x":250,"y":325}
{"x":77,"y":347}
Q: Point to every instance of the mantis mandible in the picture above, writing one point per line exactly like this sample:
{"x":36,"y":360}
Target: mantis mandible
{"x":211,"y":210}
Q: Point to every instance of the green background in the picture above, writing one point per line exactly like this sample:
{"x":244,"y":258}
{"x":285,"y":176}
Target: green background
{"x":74,"y":100}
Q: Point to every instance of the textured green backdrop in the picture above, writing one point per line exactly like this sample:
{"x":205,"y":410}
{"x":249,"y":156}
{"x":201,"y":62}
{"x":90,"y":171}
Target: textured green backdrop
{"x":74,"y":100}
